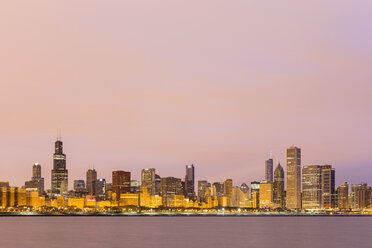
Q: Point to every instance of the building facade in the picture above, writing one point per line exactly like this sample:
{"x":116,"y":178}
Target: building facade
{"x":293,"y":199}
{"x":59,"y":172}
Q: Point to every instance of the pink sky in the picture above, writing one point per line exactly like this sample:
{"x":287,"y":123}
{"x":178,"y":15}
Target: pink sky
{"x":137,"y":84}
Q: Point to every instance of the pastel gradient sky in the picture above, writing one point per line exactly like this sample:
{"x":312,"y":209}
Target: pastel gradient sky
{"x":136,"y":84}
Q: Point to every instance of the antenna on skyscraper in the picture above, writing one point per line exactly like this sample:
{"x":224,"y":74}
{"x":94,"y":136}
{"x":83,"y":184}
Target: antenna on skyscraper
{"x":58,"y":134}
{"x":271,"y":154}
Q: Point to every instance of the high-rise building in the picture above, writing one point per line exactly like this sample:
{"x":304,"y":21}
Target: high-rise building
{"x":36,"y":171}
{"x":148,"y":180}
{"x":202,"y":188}
{"x":293,"y":178}
{"x":227,"y":190}
{"x":135,"y":186}
{"x":269,"y":164}
{"x":278,"y":187}
{"x":91,"y":181}
{"x":311,"y":187}
{"x":328,"y":187}
{"x":362,"y":195}
{"x":190,"y":181}
{"x":343,"y":197}
{"x":170,"y":186}
{"x":37,"y":182}
{"x":100,"y":188}
{"x":120,"y":183}
{"x":266,"y":194}
{"x":79,"y":184}
{"x":157,"y":184}
{"x":59,"y":171}
{"x":244,"y":188}
{"x":218,"y":189}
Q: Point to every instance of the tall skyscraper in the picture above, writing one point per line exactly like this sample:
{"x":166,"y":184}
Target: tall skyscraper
{"x":170,"y":186}
{"x":278,"y":190}
{"x":36,"y":171}
{"x":36,"y":180}
{"x":311,"y":187}
{"x":328,"y":187}
{"x":293,"y":178}
{"x":269,"y":164}
{"x":227,"y":190}
{"x":343,"y":197}
{"x":266,"y":195}
{"x":79,"y":185}
{"x":190,"y":181}
{"x":59,"y":171}
{"x":120,"y":183}
{"x":202,"y":187}
{"x":91,"y":181}
{"x":100,"y":188}
{"x":148,"y":179}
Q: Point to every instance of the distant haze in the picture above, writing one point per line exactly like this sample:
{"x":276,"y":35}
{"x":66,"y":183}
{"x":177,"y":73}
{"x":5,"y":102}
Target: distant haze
{"x":138,"y":84}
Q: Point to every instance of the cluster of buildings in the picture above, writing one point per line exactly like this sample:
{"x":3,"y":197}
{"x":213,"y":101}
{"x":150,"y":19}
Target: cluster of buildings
{"x":300,"y":188}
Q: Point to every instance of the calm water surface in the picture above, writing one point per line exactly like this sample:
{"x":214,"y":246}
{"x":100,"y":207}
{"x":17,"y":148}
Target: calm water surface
{"x":206,"y":232}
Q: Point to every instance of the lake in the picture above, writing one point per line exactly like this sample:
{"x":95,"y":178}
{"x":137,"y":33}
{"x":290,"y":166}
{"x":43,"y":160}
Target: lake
{"x":206,"y":232}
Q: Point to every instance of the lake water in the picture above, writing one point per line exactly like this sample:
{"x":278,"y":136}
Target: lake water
{"x":206,"y":232}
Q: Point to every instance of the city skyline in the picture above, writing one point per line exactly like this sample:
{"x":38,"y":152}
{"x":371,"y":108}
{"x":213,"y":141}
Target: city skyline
{"x":293,"y":156}
{"x":133,"y":85}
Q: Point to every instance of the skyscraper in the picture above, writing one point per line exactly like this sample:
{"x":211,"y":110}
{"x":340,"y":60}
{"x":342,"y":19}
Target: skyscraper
{"x":343,"y":197}
{"x":36,"y":180}
{"x":328,"y":187}
{"x":120,"y":183}
{"x":227,"y":190}
{"x":91,"y":181}
{"x":269,"y":164}
{"x":266,"y":195}
{"x":36,"y":171}
{"x":278,"y":187}
{"x":293,"y":178}
{"x":190,"y":181}
{"x":148,"y":180}
{"x":100,"y":190}
{"x":202,"y":187}
{"x":59,"y":171}
{"x":311,"y":187}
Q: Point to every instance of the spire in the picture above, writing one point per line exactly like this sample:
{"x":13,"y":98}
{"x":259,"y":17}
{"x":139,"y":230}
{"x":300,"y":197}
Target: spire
{"x":271,"y":154}
{"x":58,"y":134}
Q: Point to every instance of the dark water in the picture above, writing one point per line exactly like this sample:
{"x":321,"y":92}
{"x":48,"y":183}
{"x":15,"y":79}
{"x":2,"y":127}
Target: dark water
{"x":173,"y":232}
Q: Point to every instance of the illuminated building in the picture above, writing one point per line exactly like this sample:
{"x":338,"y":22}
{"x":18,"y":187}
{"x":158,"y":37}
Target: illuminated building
{"x":269,"y":164}
{"x":190,"y":182}
{"x":170,"y":186}
{"x":145,"y":197}
{"x":362,"y":196}
{"x":202,"y":187}
{"x":100,"y":189}
{"x":128,"y":199}
{"x":293,"y":178}
{"x":103,"y":204}
{"x":90,"y":202}
{"x":21,"y":197}
{"x":218,"y":189}
{"x":266,"y":195}
{"x":32,"y":198}
{"x":36,"y":176}
{"x":157,"y":184}
{"x":343,"y":197}
{"x":311,"y":187}
{"x":148,"y":180}
{"x":120,"y":183}
{"x":91,"y":182}
{"x":328,"y":186}
{"x":79,"y":184}
{"x":255,"y":194}
{"x":156,"y":201}
{"x":4,"y":184}
{"x":134,"y":186}
{"x":8,"y":197}
{"x":76,"y":202}
{"x":227,"y":190}
{"x":175,"y":201}
{"x":59,"y":171}
{"x":278,"y":187}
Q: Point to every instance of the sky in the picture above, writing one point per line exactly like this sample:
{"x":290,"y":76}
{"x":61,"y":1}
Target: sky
{"x":137,"y":84}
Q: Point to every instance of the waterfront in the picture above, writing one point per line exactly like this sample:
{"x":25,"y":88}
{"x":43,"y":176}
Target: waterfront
{"x":314,"y":232}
